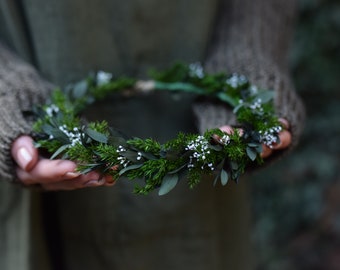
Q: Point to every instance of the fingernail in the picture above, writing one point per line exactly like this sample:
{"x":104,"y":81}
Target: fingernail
{"x":93,"y":183}
{"x":24,"y":157}
{"x":109,"y":180}
{"x":70,"y":175}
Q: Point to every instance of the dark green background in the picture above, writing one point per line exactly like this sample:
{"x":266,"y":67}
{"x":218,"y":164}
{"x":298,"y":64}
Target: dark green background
{"x":296,"y":202}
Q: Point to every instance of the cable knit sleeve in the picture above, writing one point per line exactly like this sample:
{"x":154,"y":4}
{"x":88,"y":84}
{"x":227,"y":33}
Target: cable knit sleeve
{"x":20,"y":88}
{"x":253,"y":38}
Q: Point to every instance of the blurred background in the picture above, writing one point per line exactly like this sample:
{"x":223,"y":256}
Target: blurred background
{"x":296,"y":202}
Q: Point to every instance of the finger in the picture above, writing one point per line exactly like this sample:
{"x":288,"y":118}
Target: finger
{"x":227,"y":129}
{"x":91,"y":179}
{"x":53,"y":170}
{"x":284,"y":123}
{"x":30,"y":178}
{"x":109,"y":181}
{"x":230,"y":130}
{"x":285,"y":140}
{"x":78,"y":183}
{"x":47,"y":170}
{"x":266,"y":151}
{"x":25,"y":177}
{"x":24,"y":153}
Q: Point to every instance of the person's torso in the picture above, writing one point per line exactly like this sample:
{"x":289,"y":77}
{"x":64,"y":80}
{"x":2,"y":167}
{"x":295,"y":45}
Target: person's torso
{"x":70,"y":38}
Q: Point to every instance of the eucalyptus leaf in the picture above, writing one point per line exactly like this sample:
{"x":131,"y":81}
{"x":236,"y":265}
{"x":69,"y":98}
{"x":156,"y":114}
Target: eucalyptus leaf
{"x":237,"y":107}
{"x":252,"y":154}
{"x":130,"y":155}
{"x":79,"y":89}
{"x":116,"y":141}
{"x":148,"y":156}
{"x":117,"y":133}
{"x":236,"y":176}
{"x":224,"y":177}
{"x":129,"y":168}
{"x":47,"y":128}
{"x":179,"y":86}
{"x":97,"y":136}
{"x":168,"y":183}
{"x":228,"y":99}
{"x":265,"y":96}
{"x":256,"y":146}
{"x":178,"y":169}
{"x":253,"y":144}
{"x":234,"y":166}
{"x":56,"y":133}
{"x":259,"y":148}
{"x":215,"y":147}
{"x":216,"y":179}
{"x":60,"y":150}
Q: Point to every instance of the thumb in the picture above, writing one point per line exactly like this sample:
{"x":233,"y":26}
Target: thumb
{"x":24,"y":153}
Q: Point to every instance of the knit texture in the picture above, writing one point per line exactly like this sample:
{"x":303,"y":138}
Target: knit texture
{"x":252,"y":38}
{"x":20,"y":88}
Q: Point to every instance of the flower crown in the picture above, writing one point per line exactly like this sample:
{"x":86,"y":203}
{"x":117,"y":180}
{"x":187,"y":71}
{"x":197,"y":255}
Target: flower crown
{"x":95,"y":146}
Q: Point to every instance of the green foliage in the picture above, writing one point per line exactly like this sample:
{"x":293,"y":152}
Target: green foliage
{"x":49,"y":146}
{"x":101,"y":127}
{"x":102,"y":91}
{"x":107,"y":153}
{"x":176,"y":73}
{"x":236,"y":149}
{"x":61,"y":101}
{"x":148,"y":145}
{"x":177,"y":143}
{"x":81,"y":153}
{"x":194,"y":177}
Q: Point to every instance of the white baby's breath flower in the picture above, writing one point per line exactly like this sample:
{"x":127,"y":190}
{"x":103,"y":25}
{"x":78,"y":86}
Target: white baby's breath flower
{"x":225,"y":139}
{"x":236,"y":80}
{"x":122,"y":160}
{"x":139,"y":156}
{"x":270,"y":136}
{"x":200,"y":148}
{"x":196,"y":69}
{"x":256,"y":105}
{"x":51,"y":110}
{"x":103,"y":77}
{"x":74,"y":135}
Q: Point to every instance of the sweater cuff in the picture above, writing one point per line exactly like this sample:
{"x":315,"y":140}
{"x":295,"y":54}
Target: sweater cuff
{"x":13,"y":125}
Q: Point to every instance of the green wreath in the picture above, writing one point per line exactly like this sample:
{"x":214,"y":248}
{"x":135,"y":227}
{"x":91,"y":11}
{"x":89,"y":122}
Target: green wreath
{"x":95,"y":146}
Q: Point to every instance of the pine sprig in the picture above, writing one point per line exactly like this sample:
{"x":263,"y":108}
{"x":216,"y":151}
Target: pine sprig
{"x":95,"y":146}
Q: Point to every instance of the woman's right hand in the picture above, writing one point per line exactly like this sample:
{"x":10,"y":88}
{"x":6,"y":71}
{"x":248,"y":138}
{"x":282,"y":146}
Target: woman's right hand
{"x":50,"y":174}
